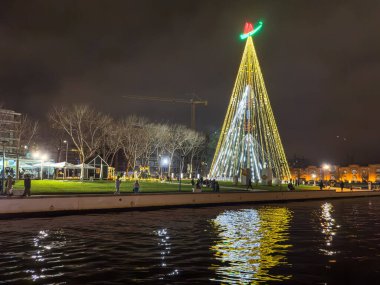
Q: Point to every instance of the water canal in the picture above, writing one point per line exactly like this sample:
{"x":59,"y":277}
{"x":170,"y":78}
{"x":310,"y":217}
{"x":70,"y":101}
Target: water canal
{"x":315,"y":242}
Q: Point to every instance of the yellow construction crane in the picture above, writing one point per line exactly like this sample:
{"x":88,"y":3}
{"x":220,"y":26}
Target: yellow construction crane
{"x":192,"y":102}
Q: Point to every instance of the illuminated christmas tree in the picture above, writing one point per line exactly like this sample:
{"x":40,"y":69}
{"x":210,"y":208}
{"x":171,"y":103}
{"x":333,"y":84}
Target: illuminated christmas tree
{"x":249,"y":138}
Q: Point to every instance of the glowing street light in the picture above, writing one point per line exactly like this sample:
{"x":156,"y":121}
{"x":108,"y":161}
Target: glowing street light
{"x":67,"y":148}
{"x":164,"y":162}
{"x":313,"y":176}
{"x":326,"y":166}
{"x":42,"y":156}
{"x":36,"y":154}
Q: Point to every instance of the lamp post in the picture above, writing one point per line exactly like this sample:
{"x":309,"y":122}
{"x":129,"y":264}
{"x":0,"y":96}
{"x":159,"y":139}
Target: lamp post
{"x":324,"y":168}
{"x":180,"y":172}
{"x":43,"y":157}
{"x":313,"y":176}
{"x":164,"y":162}
{"x":3,"y":172}
{"x":67,"y":148}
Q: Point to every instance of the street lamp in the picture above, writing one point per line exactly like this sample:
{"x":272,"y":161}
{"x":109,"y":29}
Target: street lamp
{"x":314,"y":176}
{"x":325,"y":167}
{"x":43,"y":157}
{"x":67,"y":148}
{"x":180,"y":172}
{"x":3,"y":174}
{"x":164,"y":162}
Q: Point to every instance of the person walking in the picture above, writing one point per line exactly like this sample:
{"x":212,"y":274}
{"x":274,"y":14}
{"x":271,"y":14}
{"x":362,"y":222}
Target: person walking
{"x":341,"y":185}
{"x":136,"y":187}
{"x":216,"y":186}
{"x":117,"y":185}
{"x":249,"y":184}
{"x":213,"y":185}
{"x":290,"y":186}
{"x":320,"y":184}
{"x":198,"y":186}
{"x":27,"y":185}
{"x":9,"y":186}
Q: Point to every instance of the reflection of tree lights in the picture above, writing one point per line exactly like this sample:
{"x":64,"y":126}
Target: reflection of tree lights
{"x":251,"y":243}
{"x":328,"y":227}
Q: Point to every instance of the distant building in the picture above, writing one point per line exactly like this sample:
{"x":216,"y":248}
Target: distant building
{"x":9,"y":121}
{"x":350,"y":173}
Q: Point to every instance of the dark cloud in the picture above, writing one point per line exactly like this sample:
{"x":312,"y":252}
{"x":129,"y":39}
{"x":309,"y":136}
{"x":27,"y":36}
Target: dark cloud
{"x":320,"y":60}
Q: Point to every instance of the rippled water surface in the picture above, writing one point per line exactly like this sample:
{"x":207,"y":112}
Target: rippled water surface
{"x":316,"y":242}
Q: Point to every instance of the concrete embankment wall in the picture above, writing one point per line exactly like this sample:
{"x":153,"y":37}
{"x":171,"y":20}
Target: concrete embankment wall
{"x":64,"y":203}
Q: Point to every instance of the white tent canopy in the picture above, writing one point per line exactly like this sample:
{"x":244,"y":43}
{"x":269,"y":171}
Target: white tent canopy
{"x":45,"y":164}
{"x":84,"y":166}
{"x":55,"y":165}
{"x":64,"y":165}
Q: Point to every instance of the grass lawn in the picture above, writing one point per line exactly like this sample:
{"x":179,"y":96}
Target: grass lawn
{"x":40,"y":187}
{"x":96,"y":187}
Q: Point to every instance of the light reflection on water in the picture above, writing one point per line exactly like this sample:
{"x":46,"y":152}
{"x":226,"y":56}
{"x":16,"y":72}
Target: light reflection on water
{"x":329,"y":228}
{"x":45,"y":242}
{"x":251,"y":243}
{"x":314,"y":242}
{"x":164,"y":245}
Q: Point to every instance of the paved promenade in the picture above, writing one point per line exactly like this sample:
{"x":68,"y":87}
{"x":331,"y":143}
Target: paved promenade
{"x":77,"y":203}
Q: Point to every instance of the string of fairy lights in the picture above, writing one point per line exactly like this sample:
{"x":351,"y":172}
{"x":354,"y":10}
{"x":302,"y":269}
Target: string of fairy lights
{"x":249,"y":136}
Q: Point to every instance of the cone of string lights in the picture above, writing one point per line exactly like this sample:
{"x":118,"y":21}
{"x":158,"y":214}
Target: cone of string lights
{"x":249,"y":139}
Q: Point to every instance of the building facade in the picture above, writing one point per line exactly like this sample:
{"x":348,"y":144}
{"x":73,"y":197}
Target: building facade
{"x":352,"y":173}
{"x":9,"y":123}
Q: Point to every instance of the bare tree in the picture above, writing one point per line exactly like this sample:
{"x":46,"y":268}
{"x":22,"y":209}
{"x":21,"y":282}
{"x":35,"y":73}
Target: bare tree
{"x":174,"y":139}
{"x":111,"y":142}
{"x":197,"y":143}
{"x":151,"y":142}
{"x":84,"y":125}
{"x":133,"y":136}
{"x":24,"y":131}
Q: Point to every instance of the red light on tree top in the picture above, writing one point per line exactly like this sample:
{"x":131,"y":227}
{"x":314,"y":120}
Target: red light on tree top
{"x":248,"y":27}
{"x":250,"y":30}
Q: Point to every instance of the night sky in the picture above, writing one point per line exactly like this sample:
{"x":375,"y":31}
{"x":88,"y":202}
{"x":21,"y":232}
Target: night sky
{"x":320,"y":60}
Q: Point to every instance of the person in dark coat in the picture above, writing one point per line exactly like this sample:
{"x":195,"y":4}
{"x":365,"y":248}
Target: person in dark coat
{"x":136,"y":187}
{"x":27,"y":185}
{"x":9,"y":186}
{"x":320,"y":184}
{"x":213,"y":185}
{"x":117,"y":185}
{"x":290,"y":186}
{"x":341,"y":185}
{"x":216,"y":186}
{"x":249,"y":184}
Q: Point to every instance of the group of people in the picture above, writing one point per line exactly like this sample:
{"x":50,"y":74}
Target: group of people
{"x":136,"y":186}
{"x":7,"y":189}
{"x":209,"y":183}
